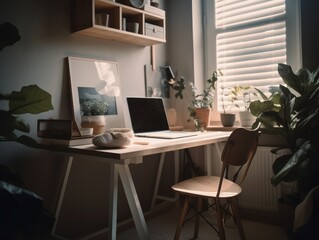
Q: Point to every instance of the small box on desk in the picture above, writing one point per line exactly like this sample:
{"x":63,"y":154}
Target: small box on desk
{"x":61,"y":132}
{"x":154,"y":30}
{"x":56,"y":128}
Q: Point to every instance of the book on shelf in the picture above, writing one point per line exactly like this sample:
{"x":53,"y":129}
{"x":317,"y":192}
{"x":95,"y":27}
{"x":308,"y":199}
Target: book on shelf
{"x":74,"y":141}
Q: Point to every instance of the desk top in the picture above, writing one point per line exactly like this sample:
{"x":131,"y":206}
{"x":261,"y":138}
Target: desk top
{"x":154,"y":146}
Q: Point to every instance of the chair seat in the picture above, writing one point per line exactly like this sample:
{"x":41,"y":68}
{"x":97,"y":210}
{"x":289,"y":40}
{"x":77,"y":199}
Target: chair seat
{"x":206,"y":186}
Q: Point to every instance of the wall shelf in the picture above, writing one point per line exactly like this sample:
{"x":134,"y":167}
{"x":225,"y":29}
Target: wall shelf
{"x":104,"y":19}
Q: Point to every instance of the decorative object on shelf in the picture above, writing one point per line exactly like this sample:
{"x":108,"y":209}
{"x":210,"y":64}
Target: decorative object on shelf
{"x":134,"y":3}
{"x":95,"y":88}
{"x":203,"y":101}
{"x":85,"y":20}
{"x":124,"y":24}
{"x":102,"y":19}
{"x":132,"y":27}
{"x":155,"y":3}
{"x":293,"y":113}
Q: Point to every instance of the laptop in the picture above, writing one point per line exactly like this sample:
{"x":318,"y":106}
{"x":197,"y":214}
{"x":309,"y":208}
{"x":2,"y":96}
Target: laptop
{"x":149,"y":119}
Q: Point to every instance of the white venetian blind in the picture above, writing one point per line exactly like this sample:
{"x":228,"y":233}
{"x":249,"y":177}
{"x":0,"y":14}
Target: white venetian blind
{"x":250,"y":43}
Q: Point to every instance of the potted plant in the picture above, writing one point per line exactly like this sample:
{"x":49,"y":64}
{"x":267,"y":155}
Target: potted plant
{"x":178,"y":86}
{"x":29,"y":100}
{"x":246,"y":94}
{"x":93,"y":112}
{"x":202,"y":103}
{"x":294,"y":114}
{"x":227,"y":118}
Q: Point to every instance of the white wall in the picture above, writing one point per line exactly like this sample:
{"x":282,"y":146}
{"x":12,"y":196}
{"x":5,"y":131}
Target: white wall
{"x":39,"y":58}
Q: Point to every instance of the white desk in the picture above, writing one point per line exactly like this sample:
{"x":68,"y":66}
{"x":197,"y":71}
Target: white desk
{"x":119,"y":159}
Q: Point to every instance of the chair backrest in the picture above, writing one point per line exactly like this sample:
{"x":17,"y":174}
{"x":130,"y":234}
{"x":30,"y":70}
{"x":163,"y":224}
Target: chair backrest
{"x":240,"y":149}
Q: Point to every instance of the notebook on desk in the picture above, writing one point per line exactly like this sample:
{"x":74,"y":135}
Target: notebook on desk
{"x":149,"y":119}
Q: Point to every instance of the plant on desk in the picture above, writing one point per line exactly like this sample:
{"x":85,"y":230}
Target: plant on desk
{"x":202,"y":104}
{"x":227,"y":118}
{"x":93,"y":112}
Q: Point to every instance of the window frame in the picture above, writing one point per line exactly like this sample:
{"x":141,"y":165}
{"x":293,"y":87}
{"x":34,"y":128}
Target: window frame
{"x":293,"y":42}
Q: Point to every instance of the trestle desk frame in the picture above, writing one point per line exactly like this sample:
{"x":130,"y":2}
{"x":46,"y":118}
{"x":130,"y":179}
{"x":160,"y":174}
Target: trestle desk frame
{"x":119,"y":160}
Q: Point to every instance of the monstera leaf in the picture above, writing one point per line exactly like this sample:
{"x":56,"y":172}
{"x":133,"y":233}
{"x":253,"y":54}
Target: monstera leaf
{"x":31,"y":99}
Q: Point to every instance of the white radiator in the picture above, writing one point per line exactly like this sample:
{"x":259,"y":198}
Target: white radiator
{"x":258,"y":192}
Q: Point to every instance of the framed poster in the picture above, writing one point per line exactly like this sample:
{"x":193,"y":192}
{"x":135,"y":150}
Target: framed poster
{"x":96,"y":81}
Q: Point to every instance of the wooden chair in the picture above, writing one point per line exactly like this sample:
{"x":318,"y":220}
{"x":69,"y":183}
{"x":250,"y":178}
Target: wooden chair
{"x":239,"y":151}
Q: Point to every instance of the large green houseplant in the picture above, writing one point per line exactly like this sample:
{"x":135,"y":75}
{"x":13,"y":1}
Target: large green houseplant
{"x":30,"y":99}
{"x":293,"y":112}
{"x":20,"y":208}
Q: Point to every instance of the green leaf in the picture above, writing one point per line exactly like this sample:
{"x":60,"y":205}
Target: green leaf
{"x":22,"y":125}
{"x":289,"y":77}
{"x":34,"y":101}
{"x":28,"y":141}
{"x":285,"y":166}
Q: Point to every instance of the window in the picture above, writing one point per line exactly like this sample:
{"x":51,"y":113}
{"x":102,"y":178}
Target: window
{"x":250,"y":40}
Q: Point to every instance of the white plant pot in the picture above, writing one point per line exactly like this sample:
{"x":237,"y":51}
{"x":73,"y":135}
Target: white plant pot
{"x":98,"y":123}
{"x":246,"y":119}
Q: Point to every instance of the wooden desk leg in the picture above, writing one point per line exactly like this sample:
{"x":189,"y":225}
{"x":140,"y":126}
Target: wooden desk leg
{"x":61,"y":197}
{"x":158,"y":179}
{"x":133,"y":201}
{"x":113,"y":202}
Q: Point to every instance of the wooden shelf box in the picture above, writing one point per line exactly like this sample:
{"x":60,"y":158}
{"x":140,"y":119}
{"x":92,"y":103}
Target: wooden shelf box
{"x":89,"y":18}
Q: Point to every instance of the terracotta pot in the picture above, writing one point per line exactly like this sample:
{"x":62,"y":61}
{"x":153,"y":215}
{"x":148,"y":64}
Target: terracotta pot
{"x":171,"y":116}
{"x":227,"y":119}
{"x":204,"y":115}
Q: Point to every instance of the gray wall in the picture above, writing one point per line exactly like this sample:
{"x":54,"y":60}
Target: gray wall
{"x":39,"y":58}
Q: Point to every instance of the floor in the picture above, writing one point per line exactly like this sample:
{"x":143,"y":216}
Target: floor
{"x":162,"y":227}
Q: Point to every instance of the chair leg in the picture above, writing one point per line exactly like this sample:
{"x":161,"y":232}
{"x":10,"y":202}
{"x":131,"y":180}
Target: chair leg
{"x":199,"y":209}
{"x":235,"y":210}
{"x":181,"y":218}
{"x":220,"y":222}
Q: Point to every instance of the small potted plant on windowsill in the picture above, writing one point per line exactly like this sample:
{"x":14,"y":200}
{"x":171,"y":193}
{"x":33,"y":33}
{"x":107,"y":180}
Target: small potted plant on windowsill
{"x":246,"y":94}
{"x":202,"y":103}
{"x":93,"y":114}
{"x":227,"y":118}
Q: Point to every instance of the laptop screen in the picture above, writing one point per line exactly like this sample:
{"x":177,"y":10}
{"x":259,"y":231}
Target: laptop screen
{"x":147,"y":114}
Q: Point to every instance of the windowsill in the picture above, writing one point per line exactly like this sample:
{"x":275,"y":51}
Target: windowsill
{"x":221,"y":128}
